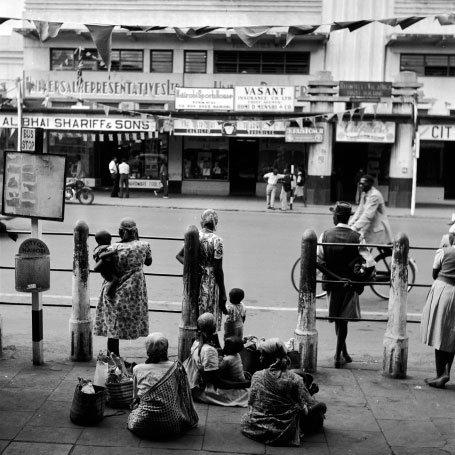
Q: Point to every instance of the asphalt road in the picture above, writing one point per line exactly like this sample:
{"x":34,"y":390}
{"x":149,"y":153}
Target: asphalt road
{"x":260,"y":249}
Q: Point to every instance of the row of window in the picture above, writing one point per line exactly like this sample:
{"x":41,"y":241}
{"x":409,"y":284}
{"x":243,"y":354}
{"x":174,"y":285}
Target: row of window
{"x":428,"y":64}
{"x":161,"y":61}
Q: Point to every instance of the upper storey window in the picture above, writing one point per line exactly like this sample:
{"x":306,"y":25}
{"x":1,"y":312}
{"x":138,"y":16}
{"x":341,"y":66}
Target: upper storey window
{"x":428,"y":64}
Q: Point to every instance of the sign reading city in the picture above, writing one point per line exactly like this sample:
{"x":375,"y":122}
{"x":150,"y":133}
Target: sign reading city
{"x":264,"y":98}
{"x":206,"y":99}
{"x":365,"y":90}
{"x":304,"y":134}
{"x":437,"y":132}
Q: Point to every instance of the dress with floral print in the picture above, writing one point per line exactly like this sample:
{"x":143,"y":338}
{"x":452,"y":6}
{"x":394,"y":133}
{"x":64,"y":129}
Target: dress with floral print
{"x":125,"y":316}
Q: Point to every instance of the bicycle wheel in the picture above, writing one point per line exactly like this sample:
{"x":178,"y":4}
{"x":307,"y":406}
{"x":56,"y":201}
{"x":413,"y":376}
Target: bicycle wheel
{"x":295,"y":277}
{"x":383,"y":269}
{"x":85,"y":196}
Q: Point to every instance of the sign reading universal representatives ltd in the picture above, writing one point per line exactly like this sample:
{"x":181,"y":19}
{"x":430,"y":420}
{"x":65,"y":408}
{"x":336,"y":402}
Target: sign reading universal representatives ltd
{"x":206,"y":99}
{"x":264,"y":98}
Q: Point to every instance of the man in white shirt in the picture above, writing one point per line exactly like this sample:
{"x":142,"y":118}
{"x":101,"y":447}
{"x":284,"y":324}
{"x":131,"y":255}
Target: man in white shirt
{"x":272,"y":179}
{"x":124,"y":171}
{"x":113,"y":170}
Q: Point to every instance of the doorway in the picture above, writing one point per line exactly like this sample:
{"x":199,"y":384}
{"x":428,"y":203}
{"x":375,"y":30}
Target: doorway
{"x":243,"y":164}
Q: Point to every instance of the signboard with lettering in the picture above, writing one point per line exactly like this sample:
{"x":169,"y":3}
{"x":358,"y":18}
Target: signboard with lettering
{"x":28,"y":139}
{"x":34,"y":185}
{"x":365,"y":90}
{"x":374,"y":131}
{"x":207,"y":99}
{"x":437,"y":132}
{"x":304,"y":134}
{"x":264,"y":98}
{"x":33,"y":247}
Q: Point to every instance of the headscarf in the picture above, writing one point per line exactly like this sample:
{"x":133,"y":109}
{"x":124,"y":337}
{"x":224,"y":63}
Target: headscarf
{"x":128,"y":230}
{"x":156,"y":345}
{"x":209,"y":217}
{"x":276,"y":355}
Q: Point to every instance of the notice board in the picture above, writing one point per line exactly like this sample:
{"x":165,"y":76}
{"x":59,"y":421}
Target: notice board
{"x":34,"y":185}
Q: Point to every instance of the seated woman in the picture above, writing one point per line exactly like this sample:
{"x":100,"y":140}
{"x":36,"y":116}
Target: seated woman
{"x":280,"y":408}
{"x":162,"y":405}
{"x":202,"y":368}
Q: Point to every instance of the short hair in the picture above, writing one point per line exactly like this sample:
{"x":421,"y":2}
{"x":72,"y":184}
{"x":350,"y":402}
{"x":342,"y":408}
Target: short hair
{"x":369,"y":178}
{"x":233,"y":344}
{"x":236,"y":295}
{"x":103,"y":237}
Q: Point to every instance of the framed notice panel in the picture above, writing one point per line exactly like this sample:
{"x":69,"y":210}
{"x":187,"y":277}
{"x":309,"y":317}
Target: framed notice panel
{"x":34,"y":185}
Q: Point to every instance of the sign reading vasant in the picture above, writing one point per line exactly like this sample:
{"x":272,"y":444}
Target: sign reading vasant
{"x":264,"y":98}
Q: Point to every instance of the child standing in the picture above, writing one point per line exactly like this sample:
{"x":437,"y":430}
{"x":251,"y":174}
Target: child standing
{"x":235,"y":314}
{"x":230,"y":366}
{"x":105,"y":261}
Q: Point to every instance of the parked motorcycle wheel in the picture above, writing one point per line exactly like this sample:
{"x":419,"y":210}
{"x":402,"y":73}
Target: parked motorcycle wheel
{"x":68,"y":193}
{"x":85,"y":196}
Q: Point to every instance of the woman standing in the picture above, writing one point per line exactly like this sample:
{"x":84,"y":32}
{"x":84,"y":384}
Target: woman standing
{"x":125,"y":315}
{"x":212,"y":293}
{"x":162,"y":404}
{"x":437,"y":328}
{"x":280,"y":407}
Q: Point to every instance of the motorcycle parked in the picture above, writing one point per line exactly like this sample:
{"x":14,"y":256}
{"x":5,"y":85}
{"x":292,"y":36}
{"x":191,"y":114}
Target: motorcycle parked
{"x":77,"y":189}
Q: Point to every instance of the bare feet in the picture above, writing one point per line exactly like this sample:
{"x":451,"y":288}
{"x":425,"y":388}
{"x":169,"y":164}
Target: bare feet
{"x":438,"y":383}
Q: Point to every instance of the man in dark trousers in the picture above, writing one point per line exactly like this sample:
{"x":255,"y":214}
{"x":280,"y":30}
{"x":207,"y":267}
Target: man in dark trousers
{"x":343,"y":297}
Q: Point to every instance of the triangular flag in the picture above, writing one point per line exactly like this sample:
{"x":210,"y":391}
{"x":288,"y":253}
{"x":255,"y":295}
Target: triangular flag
{"x":134,"y":136}
{"x":46,"y":102}
{"x":4,"y":19}
{"x":60,"y":136}
{"x":102,"y":37}
{"x":47,"y":30}
{"x":361,"y":112}
{"x":142,"y":28}
{"x":375,"y":108}
{"x":403,"y":22}
{"x":13,"y":130}
{"x":351,"y":26}
{"x":340,"y":116}
{"x":299,"y":121}
{"x":101,"y":137}
{"x":84,"y":137}
{"x":446,"y":19}
{"x":329,"y":116}
{"x":193,"y":32}
{"x":93,"y":137}
{"x":351,"y":113}
{"x":313,"y":121}
{"x":142,"y":136}
{"x":250,"y":35}
{"x":119,"y":137}
{"x":106,"y":110}
{"x":297,"y":30}
{"x":110,"y":137}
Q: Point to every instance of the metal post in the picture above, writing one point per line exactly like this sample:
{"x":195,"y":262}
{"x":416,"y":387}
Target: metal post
{"x":306,"y":334}
{"x":395,"y":338}
{"x":190,"y":309}
{"x":81,"y":321}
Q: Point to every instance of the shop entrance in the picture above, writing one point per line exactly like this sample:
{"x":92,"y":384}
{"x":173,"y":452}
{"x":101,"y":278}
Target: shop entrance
{"x":243,"y":163}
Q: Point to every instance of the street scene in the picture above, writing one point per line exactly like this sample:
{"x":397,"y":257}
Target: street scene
{"x":227,"y":227}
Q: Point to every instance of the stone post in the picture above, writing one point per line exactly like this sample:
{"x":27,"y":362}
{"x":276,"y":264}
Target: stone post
{"x":306,"y":334}
{"x":190,"y":309}
{"x":81,"y":320}
{"x":395,"y":338}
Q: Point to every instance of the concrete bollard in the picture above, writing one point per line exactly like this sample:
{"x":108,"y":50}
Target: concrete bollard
{"x":306,"y":334}
{"x":190,"y":308}
{"x":81,"y":320}
{"x":395,"y":338}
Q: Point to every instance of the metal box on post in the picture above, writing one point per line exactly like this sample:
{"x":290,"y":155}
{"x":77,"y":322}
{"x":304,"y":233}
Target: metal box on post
{"x":33,"y":266}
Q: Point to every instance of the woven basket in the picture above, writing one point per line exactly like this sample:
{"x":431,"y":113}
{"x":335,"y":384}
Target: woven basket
{"x":119,"y":394}
{"x":88,"y":409}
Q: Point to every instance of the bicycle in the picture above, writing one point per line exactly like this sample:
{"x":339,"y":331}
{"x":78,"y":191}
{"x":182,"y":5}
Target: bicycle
{"x":76,"y":189}
{"x":383,"y":270}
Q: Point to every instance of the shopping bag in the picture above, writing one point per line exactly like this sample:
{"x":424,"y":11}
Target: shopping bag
{"x":87,"y":408}
{"x":101,"y":372}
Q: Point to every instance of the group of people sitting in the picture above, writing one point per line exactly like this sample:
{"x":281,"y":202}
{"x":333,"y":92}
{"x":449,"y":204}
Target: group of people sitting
{"x":280,"y":404}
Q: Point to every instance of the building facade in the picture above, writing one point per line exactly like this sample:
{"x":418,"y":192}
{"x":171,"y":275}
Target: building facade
{"x":222,"y":113}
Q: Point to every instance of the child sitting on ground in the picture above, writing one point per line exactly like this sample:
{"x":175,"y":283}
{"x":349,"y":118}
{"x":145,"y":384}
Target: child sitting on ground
{"x":230,"y":366}
{"x":235,"y":314}
{"x":105,"y":261}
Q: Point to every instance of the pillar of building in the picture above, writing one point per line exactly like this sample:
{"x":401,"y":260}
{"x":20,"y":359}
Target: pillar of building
{"x":321,"y":92}
{"x":400,"y":174}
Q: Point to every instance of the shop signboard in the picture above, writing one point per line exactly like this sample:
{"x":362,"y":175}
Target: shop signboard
{"x":79,"y":123}
{"x":144,"y":183}
{"x":365,"y":90}
{"x":249,"y":128}
{"x":34,"y":185}
{"x":295,"y":134}
{"x":264,"y":98}
{"x":359,"y":131}
{"x":437,"y":132}
{"x":206,"y":99}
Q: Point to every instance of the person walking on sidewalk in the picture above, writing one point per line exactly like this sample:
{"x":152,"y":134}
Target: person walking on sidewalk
{"x":164,"y":176}
{"x":272,"y":179}
{"x":286,"y":188}
{"x":124,"y":170}
{"x":437,"y":327}
{"x":343,"y":301}
{"x":115,"y":177}
{"x":370,"y":218}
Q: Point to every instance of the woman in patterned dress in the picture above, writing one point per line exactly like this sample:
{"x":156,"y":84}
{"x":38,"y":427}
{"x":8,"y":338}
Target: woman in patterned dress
{"x":212,"y":293}
{"x":125,"y":315}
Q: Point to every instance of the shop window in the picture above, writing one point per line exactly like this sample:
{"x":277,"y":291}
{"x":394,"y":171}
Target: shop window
{"x":267,"y":62}
{"x":121,"y":60}
{"x":436,"y":65}
{"x":195,"y":62}
{"x":205,"y":158}
{"x":161,"y":61}
{"x":145,"y":156}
